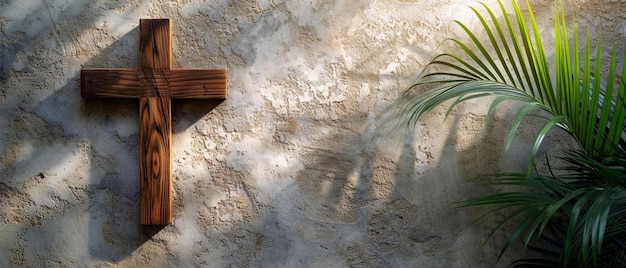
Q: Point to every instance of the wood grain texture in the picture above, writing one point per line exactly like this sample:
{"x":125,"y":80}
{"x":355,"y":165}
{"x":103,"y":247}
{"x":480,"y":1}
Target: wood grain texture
{"x":155,"y":44}
{"x":155,"y":131}
{"x":172,"y":83}
{"x":155,"y":83}
{"x":155,"y":160}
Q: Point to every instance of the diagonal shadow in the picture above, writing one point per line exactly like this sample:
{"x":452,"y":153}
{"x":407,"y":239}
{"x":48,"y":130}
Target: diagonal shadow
{"x":115,"y":222}
{"x":105,"y":130}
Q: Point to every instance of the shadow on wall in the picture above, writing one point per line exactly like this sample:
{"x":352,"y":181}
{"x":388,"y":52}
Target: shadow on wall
{"x":354,"y":205}
{"x":446,"y":163}
{"x":40,"y":173}
{"x":103,"y":200}
{"x":346,"y":201}
{"x":114,"y":226}
{"x":53,"y":199}
{"x":359,"y":206}
{"x":113,"y":141}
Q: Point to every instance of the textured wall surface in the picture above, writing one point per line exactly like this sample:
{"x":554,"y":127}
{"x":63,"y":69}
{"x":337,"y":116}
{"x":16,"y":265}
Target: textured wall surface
{"x":300,"y":167}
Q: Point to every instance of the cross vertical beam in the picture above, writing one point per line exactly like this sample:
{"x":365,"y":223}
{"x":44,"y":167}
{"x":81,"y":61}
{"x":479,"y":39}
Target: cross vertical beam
{"x":154,"y":84}
{"x":155,"y":118}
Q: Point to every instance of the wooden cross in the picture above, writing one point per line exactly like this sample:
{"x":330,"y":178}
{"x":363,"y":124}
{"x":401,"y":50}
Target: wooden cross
{"x":155,"y":83}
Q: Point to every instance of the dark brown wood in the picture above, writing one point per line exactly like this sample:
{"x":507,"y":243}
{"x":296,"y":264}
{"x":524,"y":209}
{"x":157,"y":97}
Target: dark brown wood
{"x":155,"y":120}
{"x":154,"y":157}
{"x":154,"y":84}
{"x":174,"y":83}
{"x":155,"y":44}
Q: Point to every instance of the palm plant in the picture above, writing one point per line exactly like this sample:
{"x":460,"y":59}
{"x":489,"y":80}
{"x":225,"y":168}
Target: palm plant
{"x":585,"y":206}
{"x":590,"y":195}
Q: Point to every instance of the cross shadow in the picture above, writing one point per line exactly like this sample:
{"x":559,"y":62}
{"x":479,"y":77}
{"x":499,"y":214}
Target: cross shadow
{"x":340,"y":198}
{"x":61,"y":126}
{"x":115,"y":232}
{"x":186,"y":112}
{"x":114,"y":229}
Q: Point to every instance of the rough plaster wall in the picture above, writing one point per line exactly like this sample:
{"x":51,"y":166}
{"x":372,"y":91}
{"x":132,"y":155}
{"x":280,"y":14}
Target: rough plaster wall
{"x":300,"y":167}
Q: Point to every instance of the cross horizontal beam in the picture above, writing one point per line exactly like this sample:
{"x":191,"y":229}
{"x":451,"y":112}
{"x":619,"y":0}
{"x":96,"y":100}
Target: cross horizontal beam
{"x":155,"y":83}
{"x":168,"y":83}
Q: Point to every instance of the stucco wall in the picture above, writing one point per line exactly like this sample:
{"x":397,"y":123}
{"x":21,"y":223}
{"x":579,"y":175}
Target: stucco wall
{"x":302,"y":165}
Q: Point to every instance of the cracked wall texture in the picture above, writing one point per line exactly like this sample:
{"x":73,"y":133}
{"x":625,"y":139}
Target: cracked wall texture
{"x":302,"y":165}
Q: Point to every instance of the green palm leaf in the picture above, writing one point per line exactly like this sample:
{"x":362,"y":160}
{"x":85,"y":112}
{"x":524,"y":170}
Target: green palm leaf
{"x":595,"y":207}
{"x":512,"y":66}
{"x":519,"y":71}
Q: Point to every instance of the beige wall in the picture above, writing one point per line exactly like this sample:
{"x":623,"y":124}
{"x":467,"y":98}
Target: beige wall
{"x":301,"y":166}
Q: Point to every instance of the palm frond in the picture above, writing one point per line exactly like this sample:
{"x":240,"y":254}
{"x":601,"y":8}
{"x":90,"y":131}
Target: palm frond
{"x":596,"y":209}
{"x":587,"y":200}
{"x":512,"y":66}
